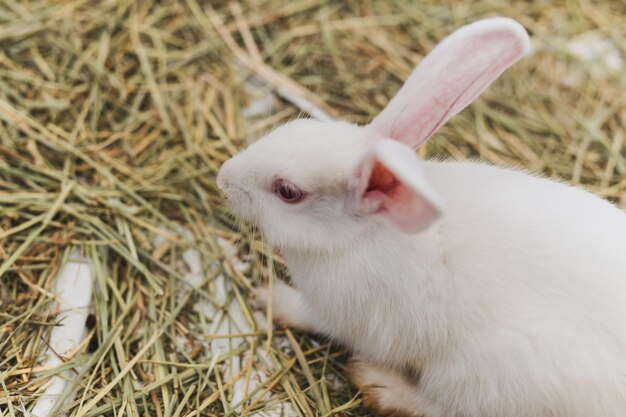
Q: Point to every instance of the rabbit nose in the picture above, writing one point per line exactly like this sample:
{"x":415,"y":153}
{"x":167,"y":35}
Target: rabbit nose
{"x":224,"y":177}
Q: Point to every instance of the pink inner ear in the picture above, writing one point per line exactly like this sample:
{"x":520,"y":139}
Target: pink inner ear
{"x":380,"y":185}
{"x":450,"y":78}
{"x":384,"y":188}
{"x":381,"y":179}
{"x":388,"y":196}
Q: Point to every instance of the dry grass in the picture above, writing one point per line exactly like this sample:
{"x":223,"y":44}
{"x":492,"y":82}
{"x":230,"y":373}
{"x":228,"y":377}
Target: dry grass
{"x":115,"y":116}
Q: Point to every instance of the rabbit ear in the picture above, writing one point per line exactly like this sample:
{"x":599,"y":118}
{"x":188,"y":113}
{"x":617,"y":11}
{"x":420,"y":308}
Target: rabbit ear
{"x":390,"y":182}
{"x":450,"y":78}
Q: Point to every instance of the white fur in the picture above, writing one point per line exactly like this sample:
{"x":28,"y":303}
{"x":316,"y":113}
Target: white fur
{"x":512,"y":303}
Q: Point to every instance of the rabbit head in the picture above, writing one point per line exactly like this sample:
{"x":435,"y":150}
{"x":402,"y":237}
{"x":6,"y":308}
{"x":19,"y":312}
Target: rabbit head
{"x":317,"y":186}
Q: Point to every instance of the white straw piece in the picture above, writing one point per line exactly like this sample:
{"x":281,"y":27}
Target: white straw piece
{"x":72,"y":290}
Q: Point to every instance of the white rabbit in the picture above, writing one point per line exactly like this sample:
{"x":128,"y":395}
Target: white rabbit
{"x":463,"y":289}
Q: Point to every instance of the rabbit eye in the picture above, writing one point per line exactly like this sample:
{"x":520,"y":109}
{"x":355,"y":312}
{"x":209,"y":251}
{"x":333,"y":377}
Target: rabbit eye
{"x":287,"y":191}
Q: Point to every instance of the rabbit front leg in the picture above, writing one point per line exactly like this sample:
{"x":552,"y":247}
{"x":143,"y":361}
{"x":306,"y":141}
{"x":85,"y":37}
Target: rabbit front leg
{"x":288,"y":306}
{"x":389,"y":393}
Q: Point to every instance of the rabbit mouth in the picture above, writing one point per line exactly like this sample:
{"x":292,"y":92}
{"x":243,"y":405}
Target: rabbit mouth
{"x":237,"y":199}
{"x":231,"y":191}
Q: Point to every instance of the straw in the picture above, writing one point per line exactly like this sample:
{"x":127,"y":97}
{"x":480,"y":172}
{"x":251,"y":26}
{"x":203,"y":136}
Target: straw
{"x":115,"y":117}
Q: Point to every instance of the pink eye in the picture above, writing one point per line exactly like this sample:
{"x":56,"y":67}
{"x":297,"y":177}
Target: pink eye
{"x":287,"y":191}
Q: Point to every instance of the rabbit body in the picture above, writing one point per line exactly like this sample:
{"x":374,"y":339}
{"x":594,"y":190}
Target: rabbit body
{"x":512,"y":304}
{"x":464,"y":289}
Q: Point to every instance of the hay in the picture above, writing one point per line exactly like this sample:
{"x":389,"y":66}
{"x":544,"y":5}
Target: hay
{"x":116,"y":115}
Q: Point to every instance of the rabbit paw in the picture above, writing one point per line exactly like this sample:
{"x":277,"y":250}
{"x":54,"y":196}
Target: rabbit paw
{"x":288,"y":306}
{"x":386,"y":392}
